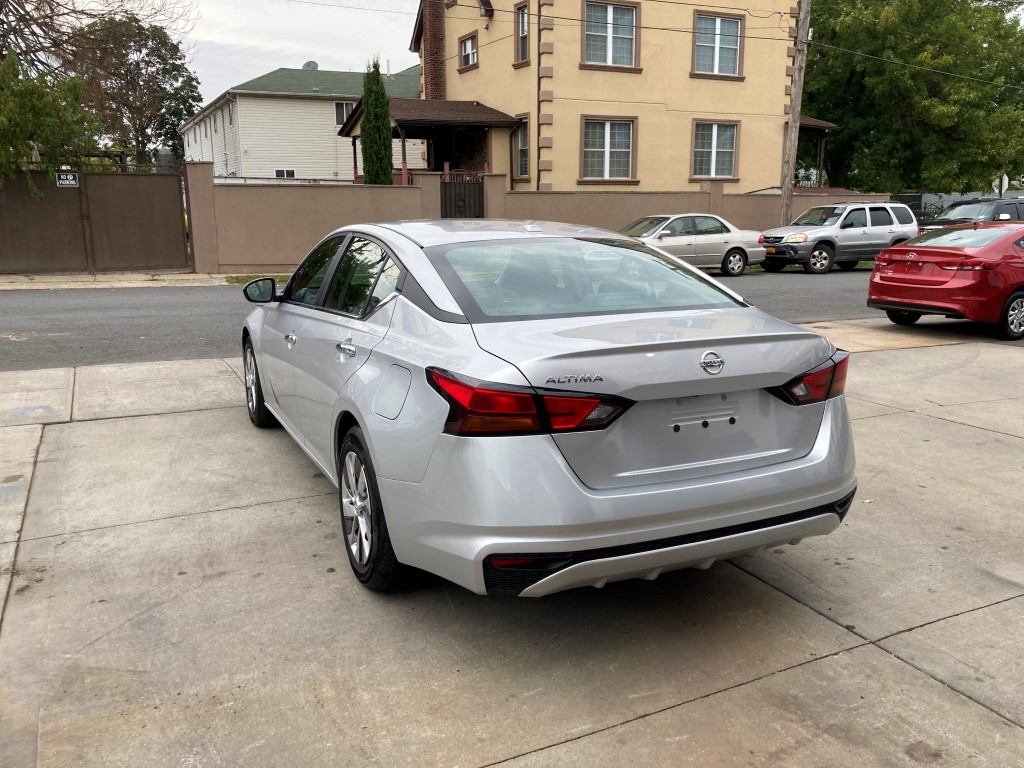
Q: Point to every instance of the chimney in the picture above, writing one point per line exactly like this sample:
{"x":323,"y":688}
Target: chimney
{"x":432,"y":49}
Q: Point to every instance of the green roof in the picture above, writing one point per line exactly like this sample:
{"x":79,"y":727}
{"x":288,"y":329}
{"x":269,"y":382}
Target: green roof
{"x":321,"y":82}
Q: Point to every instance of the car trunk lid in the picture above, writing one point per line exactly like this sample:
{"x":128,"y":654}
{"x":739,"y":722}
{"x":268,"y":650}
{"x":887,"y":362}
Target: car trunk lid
{"x":921,"y":266}
{"x":686,"y":422}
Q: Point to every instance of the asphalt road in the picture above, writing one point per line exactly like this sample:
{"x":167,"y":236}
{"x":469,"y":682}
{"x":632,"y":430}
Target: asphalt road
{"x":61,"y":328}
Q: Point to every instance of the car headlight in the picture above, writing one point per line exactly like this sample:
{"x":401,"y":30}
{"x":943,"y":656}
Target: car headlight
{"x":799,"y":237}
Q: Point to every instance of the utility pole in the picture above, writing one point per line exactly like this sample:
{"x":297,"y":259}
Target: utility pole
{"x":803,"y":31}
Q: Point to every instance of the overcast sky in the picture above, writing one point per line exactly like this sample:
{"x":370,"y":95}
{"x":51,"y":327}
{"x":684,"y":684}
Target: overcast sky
{"x":236,"y":40}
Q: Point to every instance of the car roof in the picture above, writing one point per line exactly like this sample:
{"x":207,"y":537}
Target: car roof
{"x":859,"y":202}
{"x":988,"y":225}
{"x":429,"y":232}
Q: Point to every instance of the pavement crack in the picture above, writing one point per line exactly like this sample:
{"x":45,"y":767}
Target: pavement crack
{"x":177,"y":517}
{"x":671,"y":707}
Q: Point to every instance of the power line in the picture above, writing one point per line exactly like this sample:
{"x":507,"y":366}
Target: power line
{"x":916,"y":66}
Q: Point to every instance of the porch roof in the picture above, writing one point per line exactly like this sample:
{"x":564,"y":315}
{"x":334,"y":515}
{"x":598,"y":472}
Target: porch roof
{"x":434,"y":112}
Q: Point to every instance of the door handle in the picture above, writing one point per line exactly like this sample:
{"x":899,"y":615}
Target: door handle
{"x":346,"y":349}
{"x":291,"y":338}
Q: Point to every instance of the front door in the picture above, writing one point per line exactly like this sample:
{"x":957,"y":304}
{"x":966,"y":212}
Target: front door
{"x":853,"y":236}
{"x":282,"y":339}
{"x":676,"y":238}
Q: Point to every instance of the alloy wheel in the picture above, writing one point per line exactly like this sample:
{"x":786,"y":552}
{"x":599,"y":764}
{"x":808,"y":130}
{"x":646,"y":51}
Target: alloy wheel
{"x":820,"y":260}
{"x":1015,"y":316}
{"x":250,"y":380}
{"x":356,"y":509}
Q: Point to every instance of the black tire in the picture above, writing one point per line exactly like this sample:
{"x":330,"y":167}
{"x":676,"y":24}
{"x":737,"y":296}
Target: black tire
{"x":257,"y":407}
{"x":821,"y":259}
{"x":902,"y":316}
{"x":773,"y":265}
{"x":847,"y":266}
{"x":734,"y":263}
{"x":373,"y":563}
{"x":1011,"y":319}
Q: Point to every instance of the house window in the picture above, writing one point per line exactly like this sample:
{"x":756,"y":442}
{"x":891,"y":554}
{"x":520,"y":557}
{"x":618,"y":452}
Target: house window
{"x":284,"y":173}
{"x":206,"y":128}
{"x":522,"y":147}
{"x":522,"y":36}
{"x":231,"y":113}
{"x":467,"y":52}
{"x":716,"y":45}
{"x":610,"y":35}
{"x":215,"y":129}
{"x":342,"y":109}
{"x":608,"y":149}
{"x":714,"y":149}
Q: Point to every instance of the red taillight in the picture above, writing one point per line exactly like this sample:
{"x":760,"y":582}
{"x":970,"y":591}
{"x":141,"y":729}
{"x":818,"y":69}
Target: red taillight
{"x":478,"y":408}
{"x":817,"y":385}
{"x":882,"y":260}
{"x":972,"y":265}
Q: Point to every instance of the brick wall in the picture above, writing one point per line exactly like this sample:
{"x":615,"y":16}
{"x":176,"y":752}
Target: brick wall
{"x":432,"y":49}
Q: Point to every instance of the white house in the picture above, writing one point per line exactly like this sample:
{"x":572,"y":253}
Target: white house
{"x":284,"y":125}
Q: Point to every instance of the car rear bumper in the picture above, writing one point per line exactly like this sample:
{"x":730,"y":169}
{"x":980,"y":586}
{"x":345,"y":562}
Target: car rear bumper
{"x":515,"y":496}
{"x":930,"y":300}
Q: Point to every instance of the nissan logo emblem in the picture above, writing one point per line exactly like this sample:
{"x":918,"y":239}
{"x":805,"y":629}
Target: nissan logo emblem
{"x":712,"y":362}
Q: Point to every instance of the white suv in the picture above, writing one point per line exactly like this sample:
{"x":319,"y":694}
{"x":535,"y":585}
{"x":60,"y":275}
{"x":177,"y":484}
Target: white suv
{"x":842,"y":233}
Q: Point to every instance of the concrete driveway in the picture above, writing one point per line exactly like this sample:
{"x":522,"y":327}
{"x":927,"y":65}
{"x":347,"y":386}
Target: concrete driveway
{"x":177,"y":595}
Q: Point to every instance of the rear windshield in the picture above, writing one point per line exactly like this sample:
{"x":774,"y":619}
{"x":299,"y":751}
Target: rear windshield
{"x":825,"y":216}
{"x":524,"y":280}
{"x":644,"y":227}
{"x":968,"y":211}
{"x":960,"y":238}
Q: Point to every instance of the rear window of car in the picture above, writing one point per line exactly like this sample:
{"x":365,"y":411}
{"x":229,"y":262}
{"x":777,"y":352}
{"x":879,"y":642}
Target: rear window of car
{"x":902,"y":214}
{"x":505,"y":280}
{"x":961,"y":238}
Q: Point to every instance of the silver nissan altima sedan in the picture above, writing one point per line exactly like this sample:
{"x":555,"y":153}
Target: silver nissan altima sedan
{"x":527,"y":407}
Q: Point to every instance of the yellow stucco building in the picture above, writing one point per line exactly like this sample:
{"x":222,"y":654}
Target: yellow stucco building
{"x":653,"y":94}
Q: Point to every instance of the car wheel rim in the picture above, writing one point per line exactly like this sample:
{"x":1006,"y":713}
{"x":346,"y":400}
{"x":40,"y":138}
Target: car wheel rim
{"x":819,"y":259}
{"x":250,"y":380}
{"x":356,"y":509}
{"x":1015,"y":316}
{"x":735,"y":263}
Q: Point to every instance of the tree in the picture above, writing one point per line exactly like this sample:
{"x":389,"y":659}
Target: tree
{"x":42,"y":123}
{"x":137,"y":83}
{"x":375,"y":128}
{"x":921,"y":114}
{"x":45,"y":33}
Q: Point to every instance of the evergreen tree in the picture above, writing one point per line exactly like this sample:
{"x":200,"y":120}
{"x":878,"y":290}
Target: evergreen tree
{"x":375,"y":128}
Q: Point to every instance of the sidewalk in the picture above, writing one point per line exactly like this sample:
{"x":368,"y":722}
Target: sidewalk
{"x":178,"y":595}
{"x":108,"y":280}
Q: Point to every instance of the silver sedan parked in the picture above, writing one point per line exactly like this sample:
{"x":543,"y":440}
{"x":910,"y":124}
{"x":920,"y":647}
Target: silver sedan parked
{"x":701,"y":239}
{"x":525,"y":407}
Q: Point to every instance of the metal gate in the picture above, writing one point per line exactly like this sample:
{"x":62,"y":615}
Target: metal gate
{"x":462,"y":195}
{"x":94,"y":222}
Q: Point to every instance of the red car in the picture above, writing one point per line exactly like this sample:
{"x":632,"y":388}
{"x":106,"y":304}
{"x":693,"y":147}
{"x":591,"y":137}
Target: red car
{"x":975,"y":271}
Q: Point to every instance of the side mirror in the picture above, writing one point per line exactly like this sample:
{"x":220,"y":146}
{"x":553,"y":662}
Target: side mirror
{"x":260,"y":291}
{"x":1003,"y":217}
{"x":662,"y":235}
{"x":848,"y":224}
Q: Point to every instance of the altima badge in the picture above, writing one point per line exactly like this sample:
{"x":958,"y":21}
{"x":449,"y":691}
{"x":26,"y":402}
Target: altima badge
{"x":582,"y":378}
{"x":712,"y":362}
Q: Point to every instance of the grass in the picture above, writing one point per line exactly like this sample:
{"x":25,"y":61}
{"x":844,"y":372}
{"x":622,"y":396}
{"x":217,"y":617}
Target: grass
{"x":243,"y":279}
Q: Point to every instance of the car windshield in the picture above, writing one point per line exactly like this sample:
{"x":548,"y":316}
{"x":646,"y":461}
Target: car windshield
{"x":968,"y":212}
{"x":823,"y":216}
{"x":524,"y":280}
{"x":644,"y":227}
{"x":960,"y":238}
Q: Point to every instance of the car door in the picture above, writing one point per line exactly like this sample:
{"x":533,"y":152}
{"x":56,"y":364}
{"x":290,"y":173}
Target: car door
{"x":852,"y":237}
{"x":351,"y":319}
{"x":882,"y":230}
{"x":284,"y":327}
{"x":676,"y":237}
{"x":711,"y":241}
